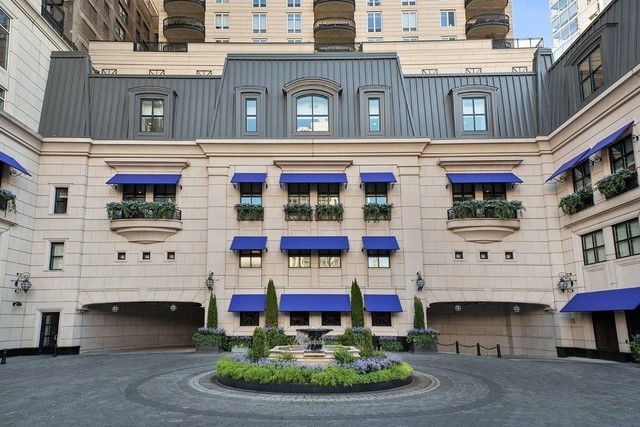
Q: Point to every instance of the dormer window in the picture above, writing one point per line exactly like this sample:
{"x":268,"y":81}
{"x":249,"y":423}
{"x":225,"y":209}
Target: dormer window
{"x":475,"y":111}
{"x":250,"y":111}
{"x":312,"y":114}
{"x":151,"y":112}
{"x":590,"y":73}
{"x":311,"y":107}
{"x":152,"y":115}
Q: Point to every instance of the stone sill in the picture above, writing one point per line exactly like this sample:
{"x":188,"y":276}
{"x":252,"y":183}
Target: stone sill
{"x":483,"y":230}
{"x":146,"y":231}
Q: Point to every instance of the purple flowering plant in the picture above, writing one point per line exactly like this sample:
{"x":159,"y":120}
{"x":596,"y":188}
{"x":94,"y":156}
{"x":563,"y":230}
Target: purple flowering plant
{"x":423,"y":338}
{"x":209,"y":336}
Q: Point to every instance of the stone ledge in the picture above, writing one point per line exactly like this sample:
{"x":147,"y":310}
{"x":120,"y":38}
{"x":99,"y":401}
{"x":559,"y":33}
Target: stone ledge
{"x":146,"y":231}
{"x":483,"y":230}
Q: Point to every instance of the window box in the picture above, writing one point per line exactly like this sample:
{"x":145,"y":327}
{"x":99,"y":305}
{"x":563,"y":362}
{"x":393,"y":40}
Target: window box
{"x":329,"y":212}
{"x":144,"y":222}
{"x":377,"y":211}
{"x":496,"y":209}
{"x":484,"y":221}
{"x":581,"y":199}
{"x":248,"y":212}
{"x":136,"y":209}
{"x":7,"y":200}
{"x":617,"y":183}
{"x":298,"y":212}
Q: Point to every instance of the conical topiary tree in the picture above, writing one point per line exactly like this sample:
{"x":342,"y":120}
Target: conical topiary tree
{"x":258,"y":345}
{"x":418,"y":314}
{"x":212,"y":314}
{"x":357,"y":306}
{"x":271,"y":310}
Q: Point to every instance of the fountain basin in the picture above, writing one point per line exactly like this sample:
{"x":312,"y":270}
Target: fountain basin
{"x":311,"y":358}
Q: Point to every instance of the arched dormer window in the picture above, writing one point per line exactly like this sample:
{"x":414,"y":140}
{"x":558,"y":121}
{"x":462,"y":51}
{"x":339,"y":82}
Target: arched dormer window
{"x":151,"y":112}
{"x":475,"y":111}
{"x":312,"y":107}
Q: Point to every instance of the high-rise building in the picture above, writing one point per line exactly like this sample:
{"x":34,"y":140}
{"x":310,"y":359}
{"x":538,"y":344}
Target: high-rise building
{"x":571,"y":17}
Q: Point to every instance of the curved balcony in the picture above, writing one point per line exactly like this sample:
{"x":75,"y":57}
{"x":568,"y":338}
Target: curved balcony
{"x":183,"y":29}
{"x":483,"y":230}
{"x":328,"y":8}
{"x":334,"y":30}
{"x":185,"y":7}
{"x":475,"y":6}
{"x":488,"y":26}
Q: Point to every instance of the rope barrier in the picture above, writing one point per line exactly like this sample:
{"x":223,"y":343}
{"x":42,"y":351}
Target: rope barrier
{"x":477,"y":346}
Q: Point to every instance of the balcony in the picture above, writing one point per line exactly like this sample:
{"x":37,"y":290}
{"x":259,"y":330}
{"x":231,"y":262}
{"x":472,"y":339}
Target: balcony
{"x":183,"y":29}
{"x":335,"y":8}
{"x":185,"y":7}
{"x":375,"y":212}
{"x":334,"y":30}
{"x":484,"y":221}
{"x":142,"y":222}
{"x":338,"y":47}
{"x":160,"y":47}
{"x":474,"y":6}
{"x":488,"y":26}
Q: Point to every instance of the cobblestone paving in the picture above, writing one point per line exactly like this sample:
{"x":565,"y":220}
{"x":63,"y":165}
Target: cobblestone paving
{"x":174,"y":388}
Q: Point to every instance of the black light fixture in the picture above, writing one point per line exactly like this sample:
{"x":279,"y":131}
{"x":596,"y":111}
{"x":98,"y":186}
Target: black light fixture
{"x":516,"y":308}
{"x":17,"y":304}
{"x":173,"y":307}
{"x":114,"y":308}
{"x":210,"y":281}
{"x":566,"y":282}
{"x":419,"y":281}
{"x":22,"y":283}
{"x":457,"y":308}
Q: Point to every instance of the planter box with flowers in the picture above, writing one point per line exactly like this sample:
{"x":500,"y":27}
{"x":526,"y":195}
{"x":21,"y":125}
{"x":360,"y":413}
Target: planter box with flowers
{"x":423,"y":340}
{"x":617,"y":183}
{"x":249,"y":212}
{"x":377,"y":211}
{"x":329,"y":212}
{"x":573,"y":203}
{"x":7,"y":200}
{"x":298,"y":212}
{"x":210,"y":340}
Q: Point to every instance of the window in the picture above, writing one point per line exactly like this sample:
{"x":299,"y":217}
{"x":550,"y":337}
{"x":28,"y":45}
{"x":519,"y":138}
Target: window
{"x":331,"y":318}
{"x":380,"y":319}
{"x":294,"y":40}
{"x":508,"y":255}
{"x":376,"y":192}
{"x":251,"y":193}
{"x":259,"y":22}
{"x":259,"y":40}
{"x":590,"y":73}
{"x":474,"y":114}
{"x":222,"y":1}
{"x":250,"y":115}
{"x":299,"y":318}
{"x":259,"y":3}
{"x":293,"y":3}
{"x":60,"y":202}
{"x":621,"y":155}
{"x":408,"y":2}
{"x":119,"y":31}
{"x":373,"y":2}
{"x":448,"y":38}
{"x":249,"y":318}
{"x":5,"y":23}
{"x":299,"y":193}
{"x":627,"y":238}
{"x":221,"y":40}
{"x":447,"y":18}
{"x":134,"y":192}
{"x":138,"y":18}
{"x":123,"y":13}
{"x":57,"y":255}
{"x":484,"y":255}
{"x":328,"y":193}
{"x":458,"y":255}
{"x":121,"y":256}
{"x":312,"y":114}
{"x":250,"y":259}
{"x":374,"y":119}
{"x":409,"y":21}
{"x":151,"y":115}
{"x":378,"y":258}
{"x":294,"y":22}
{"x":593,"y":247}
{"x":171,"y":255}
{"x":462,"y":192}
{"x":3,"y":94}
{"x":250,"y":110}
{"x":146,"y":256}
{"x":374,"y":115}
{"x":581,"y":176}
{"x":329,"y":258}
{"x":222,"y":21}
{"x":164,"y":193}
{"x":299,"y":259}
{"x":494,"y":191}
{"x":374,"y":22}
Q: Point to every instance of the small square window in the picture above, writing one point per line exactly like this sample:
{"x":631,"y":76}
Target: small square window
{"x":484,"y":255}
{"x":146,"y":255}
{"x":250,"y":318}
{"x":508,"y":255}
{"x":171,"y":255}
{"x":121,"y":256}
{"x":331,"y":318}
{"x":378,"y":258}
{"x":329,"y":258}
{"x":593,"y":248}
{"x":250,"y":258}
{"x":458,"y":255}
{"x":299,"y":318}
{"x":152,"y":115}
{"x":299,"y":259}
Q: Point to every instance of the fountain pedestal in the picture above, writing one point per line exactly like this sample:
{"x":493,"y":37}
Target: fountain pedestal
{"x":313,"y":342}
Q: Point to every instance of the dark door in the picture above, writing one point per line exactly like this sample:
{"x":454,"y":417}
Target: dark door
{"x":49,"y":332}
{"x":633,"y":322}
{"x":604,"y":327}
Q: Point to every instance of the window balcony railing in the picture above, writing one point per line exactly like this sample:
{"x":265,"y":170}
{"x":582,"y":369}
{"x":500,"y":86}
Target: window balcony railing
{"x":337,"y":23}
{"x":298,"y":212}
{"x":55,"y":16}
{"x":580,"y":200}
{"x":492,"y":23}
{"x":133,"y":209}
{"x":494,"y":209}
{"x":377,"y":212}
{"x":183,"y":29}
{"x":144,"y":222}
{"x":618,"y":183}
{"x":329,"y":212}
{"x":524,"y":43}
{"x":248,"y":212}
{"x":338,"y":47}
{"x":185,"y":6}
{"x":160,"y":47}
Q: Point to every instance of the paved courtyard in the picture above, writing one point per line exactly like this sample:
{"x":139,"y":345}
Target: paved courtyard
{"x":173,"y":388}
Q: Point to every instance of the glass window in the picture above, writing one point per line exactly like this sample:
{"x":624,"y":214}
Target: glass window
{"x":251,"y":115}
{"x":299,"y":318}
{"x":474,"y":114}
{"x":378,"y":258}
{"x":299,"y":193}
{"x":151,"y":115}
{"x":408,"y":2}
{"x":251,"y":259}
{"x":380,"y":319}
{"x":328,"y":193}
{"x":627,"y":238}
{"x":331,"y":318}
{"x":259,"y":22}
{"x":373,"y":2}
{"x":593,"y":247}
{"x":293,"y":3}
{"x":374,"y":22}
{"x":57,"y":255}
{"x":447,"y":18}
{"x":462,"y":192}
{"x":329,"y":259}
{"x":374,"y":115}
{"x":590,"y":73}
{"x":134,"y":192}
{"x":259,"y":3}
{"x":3,"y":94}
{"x":409,"y":21}
{"x":61,"y":197}
{"x":299,"y":259}
{"x":249,"y":318}
{"x":123,"y":13}
{"x":494,"y":191}
{"x":294,"y":22}
{"x":164,"y":193}
{"x":222,"y":1}
{"x":119,"y":31}
{"x":251,"y":193}
{"x":312,"y":114}
{"x":222,"y":21}
{"x":376,"y":192}
{"x":621,"y":155}
{"x":581,"y":176}
{"x":5,"y":26}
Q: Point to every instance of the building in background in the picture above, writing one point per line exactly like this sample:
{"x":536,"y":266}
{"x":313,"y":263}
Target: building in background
{"x":569,"y":18}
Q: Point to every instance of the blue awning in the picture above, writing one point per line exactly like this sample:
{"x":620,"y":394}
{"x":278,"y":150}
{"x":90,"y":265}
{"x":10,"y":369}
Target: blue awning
{"x":483,"y":178}
{"x":382,"y":303}
{"x":314,"y":243}
{"x":8,"y":160}
{"x":244,"y":303}
{"x":378,"y":177}
{"x":314,"y":302}
{"x":249,"y":178}
{"x":313,"y":178}
{"x":248,"y":243}
{"x":380,"y":243}
{"x":611,"y":139}
{"x":609,"y":300}
{"x":130,"y":178}
{"x":570,"y":164}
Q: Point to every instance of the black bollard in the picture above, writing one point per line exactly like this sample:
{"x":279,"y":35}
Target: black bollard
{"x":55,"y":350}
{"x":457,"y":347}
{"x":4,"y":357}
{"x":499,"y":352}
{"x":478,"y":348}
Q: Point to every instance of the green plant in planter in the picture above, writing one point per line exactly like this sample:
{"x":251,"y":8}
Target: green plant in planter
{"x":212,"y":313}
{"x":425,"y":338}
{"x":8,"y":199}
{"x":210,"y":336}
{"x":613,"y":184}
{"x":298,"y":211}
{"x":499,"y":209}
{"x":326,"y":212}
{"x":575,"y":202}
{"x":390,"y":344}
{"x":249,"y":212}
{"x":130,"y":209}
{"x":634,"y":344}
{"x":377,"y":211}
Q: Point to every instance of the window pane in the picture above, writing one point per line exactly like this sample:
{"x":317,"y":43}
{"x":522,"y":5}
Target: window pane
{"x":383,"y":262}
{"x":158,"y":107}
{"x":373,"y":262}
{"x":635,"y":244}
{"x":599,"y":238}
{"x":590,"y":257}
{"x":320,"y":124}
{"x":146,"y":107}
{"x":374,"y":124}
{"x":57,"y":249}
{"x":374,"y":106}
{"x":251,"y":124}
{"x":304,"y":106}
{"x":623,"y":249}
{"x":601,"y":254}
{"x":245,"y":262}
{"x":467,"y":123}
{"x":478,"y":105}
{"x":467,"y":106}
{"x":481,"y":123}
{"x":621,"y":232}
{"x":320,"y":106}
{"x":251,"y":105}
{"x":303,"y":124}
{"x":587,"y":242}
{"x":635,"y":228}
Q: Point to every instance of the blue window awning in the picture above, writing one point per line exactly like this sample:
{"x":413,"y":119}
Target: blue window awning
{"x":249,"y":243}
{"x":130,"y":178}
{"x":314,"y":243}
{"x":8,"y":160}
{"x":610,"y":140}
{"x":378,"y":177}
{"x":570,"y":164}
{"x":380,"y":243}
{"x":382,"y":303}
{"x":484,"y":178}
{"x":244,"y":303}
{"x":609,"y":300}
{"x":313,"y":178}
{"x":315,"y":302}
{"x":250,"y":178}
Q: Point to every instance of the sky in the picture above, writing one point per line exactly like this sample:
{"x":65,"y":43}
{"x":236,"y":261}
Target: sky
{"x":531,"y":19}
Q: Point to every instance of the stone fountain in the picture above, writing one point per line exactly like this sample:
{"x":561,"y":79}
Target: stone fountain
{"x":311,"y":349}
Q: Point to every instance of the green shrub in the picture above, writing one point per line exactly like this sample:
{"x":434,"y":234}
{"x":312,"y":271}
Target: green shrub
{"x":366,"y":343}
{"x":418,"y":313}
{"x":423,"y":338}
{"x":342,"y":355}
{"x":273,"y":337}
{"x":348,"y":338}
{"x":286,"y":356}
{"x":209,"y":336}
{"x":634,"y":344}
{"x":212,"y":314}
{"x":613,"y":184}
{"x":258,"y":347}
{"x":271,"y":310}
{"x":128,"y":209}
{"x":390,"y":344}
{"x":501,"y":209}
{"x":357,"y":305}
